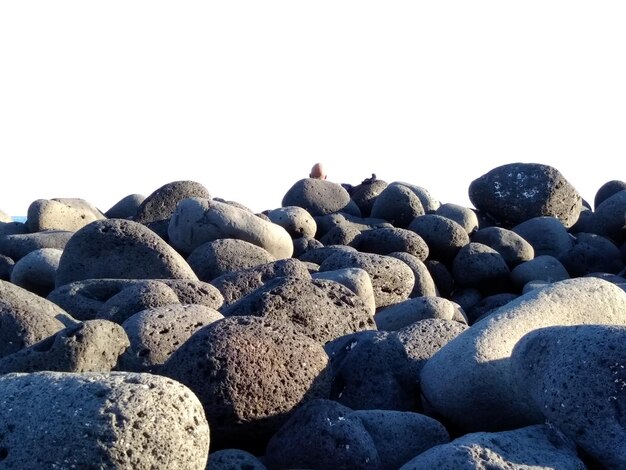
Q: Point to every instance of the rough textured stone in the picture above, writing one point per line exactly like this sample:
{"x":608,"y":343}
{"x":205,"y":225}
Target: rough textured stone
{"x":516,"y":192}
{"x":462,"y":215}
{"x":479,"y":266}
{"x":547,"y":236}
{"x":469,"y":380}
{"x":19,"y":245}
{"x":513,"y":248}
{"x":542,"y":268}
{"x":6,"y":267}
{"x":443,"y":236}
{"x":61,"y":214}
{"x":319,"y":197}
{"x":397,"y":316}
{"x":217,"y":257}
{"x":364,"y":195}
{"x":325,"y":223}
{"x":36,"y":271}
{"x":424,"y":284}
{"x":344,"y":234}
{"x":392,"y":279}
{"x":235,"y":285}
{"x":609,"y":219}
{"x":398,"y":205}
{"x":120,"y":298}
{"x":95,"y":420}
{"x":233,"y":459}
{"x":442,"y":277}
{"x":196,"y":221}
{"x":12,"y":228}
{"x":487,"y":305}
{"x":592,"y":253}
{"x":119,"y":249}
{"x":536,"y":447}
{"x":318,"y":255}
{"x":383,"y":241}
{"x":125,"y":208}
{"x":576,"y":376}
{"x":401,"y":435}
{"x":304,"y":244}
{"x":607,"y":190}
{"x":155,"y":333}
{"x":26,"y":318}
{"x":250,"y":374}
{"x":91,"y":346}
{"x":296,"y":220}
{"x":318,"y":308}
{"x":323,"y":434}
{"x":429,"y":203}
{"x":355,"y":279}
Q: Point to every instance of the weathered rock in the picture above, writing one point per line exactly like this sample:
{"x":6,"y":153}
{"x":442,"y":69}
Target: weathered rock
{"x":607,"y":190}
{"x":392,"y":279}
{"x":325,"y":223}
{"x":542,"y":268}
{"x":236,"y":285}
{"x":36,"y":271}
{"x":318,"y":308}
{"x":429,"y":203}
{"x":233,"y":459}
{"x":469,"y":380}
{"x":467,"y":297}
{"x":462,"y":215}
{"x":398,"y":205}
{"x":155,"y":333}
{"x":6,"y":267}
{"x":344,"y":234}
{"x":397,"y":316}
{"x":443,"y":236}
{"x":12,"y":228}
{"x":513,"y":248}
{"x":19,"y":245}
{"x":383,"y":241}
{"x":424,"y":284}
{"x":487,"y":305}
{"x":442,"y":277}
{"x":479,"y":266}
{"x":296,"y":220}
{"x":516,"y":192}
{"x":120,"y":298}
{"x":119,"y":249}
{"x":91,"y":346}
{"x":196,"y":221}
{"x":576,"y":377}
{"x":536,"y":446}
{"x":319,"y":197}
{"x":61,"y":214}
{"x":250,"y":374}
{"x":318,"y":255}
{"x":96,"y":420}
{"x":609,"y":219}
{"x":304,"y":244}
{"x":364,"y":195}
{"x":355,"y":279}
{"x":322,"y":434}
{"x":217,"y":257}
{"x":592,"y":253}
{"x":547,"y":236}
{"x":125,"y":208}
{"x":26,"y":318}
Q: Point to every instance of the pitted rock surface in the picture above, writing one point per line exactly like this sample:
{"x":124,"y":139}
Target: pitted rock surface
{"x":364,"y":195}
{"x":547,"y":236}
{"x":402,"y":314}
{"x":479,"y":266}
{"x":464,"y":216}
{"x":398,"y":205}
{"x":61,"y":214}
{"x":125,"y":208}
{"x":19,"y":245}
{"x":355,"y":279}
{"x":318,"y":197}
{"x":36,"y":271}
{"x":444,"y":236}
{"x":513,"y":247}
{"x":296,"y":220}
{"x":424,"y":284}
{"x":383,"y":241}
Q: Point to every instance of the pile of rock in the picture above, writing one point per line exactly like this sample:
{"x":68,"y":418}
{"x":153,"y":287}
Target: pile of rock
{"x":376,"y":328}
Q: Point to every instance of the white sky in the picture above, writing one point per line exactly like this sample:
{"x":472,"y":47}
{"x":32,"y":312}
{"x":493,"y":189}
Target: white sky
{"x":99,"y":100}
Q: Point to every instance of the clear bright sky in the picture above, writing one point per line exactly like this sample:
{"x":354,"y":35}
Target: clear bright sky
{"x":103,"y":99}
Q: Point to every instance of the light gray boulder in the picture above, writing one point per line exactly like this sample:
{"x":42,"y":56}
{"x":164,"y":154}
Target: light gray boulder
{"x":398,"y":205}
{"x":17,"y":246}
{"x":125,"y":208}
{"x":464,"y":216}
{"x":387,"y":240}
{"x":100,"y":420}
{"x":424,"y":284}
{"x":296,"y":220}
{"x":119,"y":249}
{"x":469,"y":380}
{"x":37,"y":270}
{"x":61,"y":214}
{"x":444,"y":236}
{"x":320,"y":197}
{"x":513,"y":248}
{"x":397,"y":316}
{"x":576,"y":377}
{"x":325,"y":223}
{"x":541,"y":268}
{"x":355,"y":279}
{"x":196,"y":221}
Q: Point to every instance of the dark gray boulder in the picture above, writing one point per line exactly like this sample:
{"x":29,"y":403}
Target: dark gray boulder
{"x":537,"y":447}
{"x":512,"y":246}
{"x":19,"y":245}
{"x":319,"y":254}
{"x":6,"y":266}
{"x":100,"y":420}
{"x":296,"y":220}
{"x":547,"y":236}
{"x":250,"y":374}
{"x":384,"y":240}
{"x":479,"y":266}
{"x":343,"y":234}
{"x":607,"y":190}
{"x":61,"y":214}
{"x":319,"y":197}
{"x":119,"y":249}
{"x":592,"y":253}
{"x":443,"y":236}
{"x":323,"y":434}
{"x":442,"y":277}
{"x":487,"y":305}
{"x":155,"y":333}
{"x":576,"y":377}
{"x":304,"y":244}
{"x":91,"y":346}
{"x":464,"y":216}
{"x":365,"y":194}
{"x":609,"y":218}
{"x":401,"y":435}
{"x":516,"y":192}
{"x":36,"y":271}
{"x":355,"y":279}
{"x":392,"y":279}
{"x":318,"y":308}
{"x":12,"y":228}
{"x":235,"y":285}
{"x":424,"y":284}
{"x":233,"y":459}
{"x":398,"y":205}
{"x":125,"y":208}
{"x":118,"y":299}
{"x":217,"y":257}
{"x":542,"y":268}
{"x":429,"y":203}
{"x":325,"y":223}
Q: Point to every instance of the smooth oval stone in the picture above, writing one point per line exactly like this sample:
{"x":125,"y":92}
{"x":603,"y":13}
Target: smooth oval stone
{"x":547,"y":236}
{"x":100,"y":420}
{"x":398,"y":205}
{"x":119,"y":249}
{"x":609,"y":219}
{"x":36,"y":271}
{"x":593,"y":253}
{"x":542,"y":268}
{"x":296,"y":220}
{"x":61,"y":214}
{"x":319,"y":197}
{"x":469,"y":380}
{"x":443,"y":236}
{"x":607,"y":190}
{"x":317,"y":255}
{"x":344,"y":234}
{"x":125,"y":208}
{"x":355,"y":279}
{"x":233,"y":459}
{"x":325,"y":223}
{"x":365,"y":194}
{"x":385,"y":240}
{"x":463,"y":216}
{"x":12,"y":228}
{"x":402,"y":314}
{"x":487,"y":305}
{"x":512,"y":246}
{"x":19,"y":245}
{"x":303,"y":244}
{"x":479,"y":266}
{"x":442,"y":277}
{"x":429,"y":203}
{"x":424,"y":284}
{"x":516,"y":192}
{"x":196,"y":221}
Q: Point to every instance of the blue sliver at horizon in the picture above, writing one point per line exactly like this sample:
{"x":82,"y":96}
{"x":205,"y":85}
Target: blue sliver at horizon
{"x":18,"y":218}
